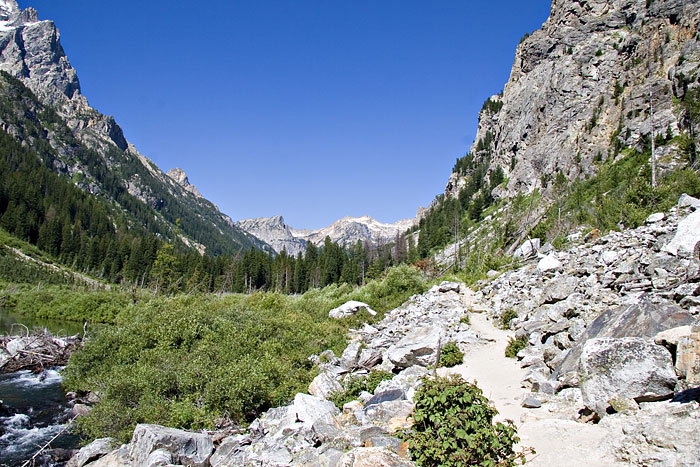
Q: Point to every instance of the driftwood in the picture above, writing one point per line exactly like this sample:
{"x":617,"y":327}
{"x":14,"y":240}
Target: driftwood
{"x":35,"y":352}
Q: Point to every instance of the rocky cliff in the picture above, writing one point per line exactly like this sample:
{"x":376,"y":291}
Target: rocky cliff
{"x":30,"y":50}
{"x":348,"y":230}
{"x":579,"y":91}
{"x":345,"y":232}
{"x":274,"y":232}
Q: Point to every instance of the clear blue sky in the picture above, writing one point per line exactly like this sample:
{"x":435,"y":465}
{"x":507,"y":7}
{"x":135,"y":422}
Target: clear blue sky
{"x":312,"y":109}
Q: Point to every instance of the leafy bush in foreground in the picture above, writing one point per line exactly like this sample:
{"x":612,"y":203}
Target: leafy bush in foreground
{"x":453,"y":426}
{"x":188,"y":360}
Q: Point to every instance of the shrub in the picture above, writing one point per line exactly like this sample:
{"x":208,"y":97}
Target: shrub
{"x":450,"y":355}
{"x":353,"y":386}
{"x":453,"y":426}
{"x":506,"y":316}
{"x":516,"y":345}
{"x":466,"y":319}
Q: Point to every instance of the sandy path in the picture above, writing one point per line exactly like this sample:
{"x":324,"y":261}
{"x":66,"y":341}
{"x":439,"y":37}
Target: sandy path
{"x":557,"y":441}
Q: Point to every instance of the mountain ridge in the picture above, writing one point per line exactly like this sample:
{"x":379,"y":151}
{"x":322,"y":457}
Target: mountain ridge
{"x":30,"y":50}
{"x":345,"y":232}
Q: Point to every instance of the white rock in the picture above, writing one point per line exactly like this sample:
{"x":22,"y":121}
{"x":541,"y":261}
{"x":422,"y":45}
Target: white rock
{"x":324,"y":385}
{"x":609,"y":257}
{"x":548,"y":263}
{"x":686,"y":201}
{"x":527,"y":249}
{"x":687,"y":235}
{"x":656,"y":217}
{"x":350,"y":308}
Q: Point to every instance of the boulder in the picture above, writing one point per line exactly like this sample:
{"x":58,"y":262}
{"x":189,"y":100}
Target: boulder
{"x":688,"y":357}
{"x":656,"y":217}
{"x":664,"y":434}
{"x":373,"y":457}
{"x":630,"y":367}
{"x":559,"y":289}
{"x":418,"y":347}
{"x":527,"y":248}
{"x":349,"y":309}
{"x":687,"y":235}
{"x":308,"y":409}
{"x":229,"y":453}
{"x":549,"y":263}
{"x":324,"y":385}
{"x":531,"y":402}
{"x":645,"y":318}
{"x":92,"y":452}
{"x":446,"y":286}
{"x":687,"y":201}
{"x":187,"y":448}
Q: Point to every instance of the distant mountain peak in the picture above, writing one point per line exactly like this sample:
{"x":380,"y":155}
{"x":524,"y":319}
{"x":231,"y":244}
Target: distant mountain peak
{"x":180,"y":177}
{"x":274,"y":232}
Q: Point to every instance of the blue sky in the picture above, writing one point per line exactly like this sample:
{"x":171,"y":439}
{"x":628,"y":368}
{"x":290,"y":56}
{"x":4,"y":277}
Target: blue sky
{"x":314,"y":110}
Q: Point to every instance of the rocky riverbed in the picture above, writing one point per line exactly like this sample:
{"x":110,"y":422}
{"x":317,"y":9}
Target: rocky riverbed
{"x":609,"y":374}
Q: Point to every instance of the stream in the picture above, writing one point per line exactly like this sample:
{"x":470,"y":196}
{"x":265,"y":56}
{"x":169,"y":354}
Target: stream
{"x":34,"y":407}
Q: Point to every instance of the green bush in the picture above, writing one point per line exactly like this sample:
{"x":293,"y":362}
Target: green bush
{"x":453,"y":426}
{"x":186,"y":361}
{"x":450,"y":355}
{"x":353,"y":386}
{"x":516,"y":345}
{"x":506,"y":316}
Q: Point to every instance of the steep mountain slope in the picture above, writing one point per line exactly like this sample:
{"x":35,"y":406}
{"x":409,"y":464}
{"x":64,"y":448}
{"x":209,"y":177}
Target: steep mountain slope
{"x":345,"y":232}
{"x":579,"y":91}
{"x":81,"y":143}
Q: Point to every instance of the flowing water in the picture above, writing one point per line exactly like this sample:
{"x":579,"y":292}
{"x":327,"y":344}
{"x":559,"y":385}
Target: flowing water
{"x":34,"y":410}
{"x":34,"y":407}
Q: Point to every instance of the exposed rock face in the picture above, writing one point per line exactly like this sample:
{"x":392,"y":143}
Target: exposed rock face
{"x":274,"y":232}
{"x":346,"y":232}
{"x":582,"y":81}
{"x":181,"y":179}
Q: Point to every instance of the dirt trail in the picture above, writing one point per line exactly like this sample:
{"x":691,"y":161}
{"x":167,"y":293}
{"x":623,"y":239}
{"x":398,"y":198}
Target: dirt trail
{"x":557,"y":439}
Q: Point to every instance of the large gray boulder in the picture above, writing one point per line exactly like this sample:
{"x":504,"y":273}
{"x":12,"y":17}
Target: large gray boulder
{"x":418,"y":347}
{"x":646,"y":319}
{"x":92,"y":452}
{"x":187,"y":448}
{"x":630,"y":367}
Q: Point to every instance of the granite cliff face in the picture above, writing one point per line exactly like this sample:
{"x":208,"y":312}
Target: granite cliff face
{"x":579,"y":88}
{"x":346,"y":232}
{"x":180,"y":177}
{"x":274,"y":232}
{"x":93,"y":151}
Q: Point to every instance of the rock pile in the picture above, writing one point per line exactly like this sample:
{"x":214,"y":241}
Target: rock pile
{"x":615,"y":318}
